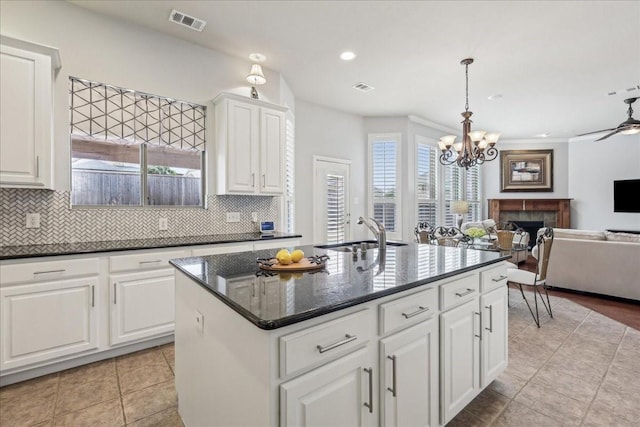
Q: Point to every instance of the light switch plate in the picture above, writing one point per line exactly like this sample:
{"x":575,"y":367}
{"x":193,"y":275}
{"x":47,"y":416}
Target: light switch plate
{"x":33,"y":220}
{"x":163,"y":224}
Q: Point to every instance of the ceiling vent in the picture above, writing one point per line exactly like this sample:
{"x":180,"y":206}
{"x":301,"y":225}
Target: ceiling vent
{"x":363,"y":87}
{"x":186,"y":20}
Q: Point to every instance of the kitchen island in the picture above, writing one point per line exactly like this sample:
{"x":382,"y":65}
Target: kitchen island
{"x":408,"y":338}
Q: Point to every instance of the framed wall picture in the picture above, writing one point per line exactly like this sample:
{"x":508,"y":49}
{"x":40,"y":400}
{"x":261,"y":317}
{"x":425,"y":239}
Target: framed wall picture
{"x":526,"y":170}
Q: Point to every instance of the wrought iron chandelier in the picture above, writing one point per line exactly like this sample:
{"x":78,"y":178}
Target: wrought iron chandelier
{"x":476,"y":147}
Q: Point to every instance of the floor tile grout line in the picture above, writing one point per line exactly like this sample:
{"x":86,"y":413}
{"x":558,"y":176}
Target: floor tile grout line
{"x":55,"y":405}
{"x":605,"y":375}
{"x":124,"y":415}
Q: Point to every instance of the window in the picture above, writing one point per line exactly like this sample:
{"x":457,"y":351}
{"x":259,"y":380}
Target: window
{"x":384,"y":203}
{"x":472,"y":193}
{"x":134,"y":149}
{"x":426,"y":182}
{"x":289,"y":200}
{"x":453,"y":190}
{"x":336,"y":208}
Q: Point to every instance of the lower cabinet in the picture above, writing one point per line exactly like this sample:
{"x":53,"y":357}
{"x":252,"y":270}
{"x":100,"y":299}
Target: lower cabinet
{"x":47,"y":320}
{"x":409,"y":376}
{"x":340,"y":393}
{"x":460,"y":358}
{"x":494,"y":355}
{"x":142,"y":305}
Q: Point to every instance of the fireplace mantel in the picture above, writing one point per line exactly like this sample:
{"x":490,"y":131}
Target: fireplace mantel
{"x":561,"y":207}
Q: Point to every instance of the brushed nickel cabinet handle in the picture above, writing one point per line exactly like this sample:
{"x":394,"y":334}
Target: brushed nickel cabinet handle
{"x":370,"y":404}
{"x":115,"y":290}
{"x":37,"y":166}
{"x":347,"y":339}
{"x":462,"y":294}
{"x":394,"y":386}
{"x":499,"y":278}
{"x":420,"y":309}
{"x":253,"y":179}
{"x":490,"y":328}
{"x":93,"y":296}
{"x":480,"y":316}
{"x":35,"y":273}
{"x":264,"y":181}
{"x":150,"y":262}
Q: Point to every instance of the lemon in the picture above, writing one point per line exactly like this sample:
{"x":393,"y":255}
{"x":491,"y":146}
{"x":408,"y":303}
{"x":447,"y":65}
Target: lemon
{"x":284,"y":258}
{"x":297,"y":255}
{"x":281,"y":252}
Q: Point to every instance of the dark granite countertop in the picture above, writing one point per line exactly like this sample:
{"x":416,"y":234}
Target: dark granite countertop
{"x":29,"y":251}
{"x":271,"y":302}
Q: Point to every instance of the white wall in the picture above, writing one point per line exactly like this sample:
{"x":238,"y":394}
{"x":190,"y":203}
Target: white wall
{"x":491,"y":172}
{"x":103,"y":49}
{"x":325,"y":132}
{"x":593,"y":166}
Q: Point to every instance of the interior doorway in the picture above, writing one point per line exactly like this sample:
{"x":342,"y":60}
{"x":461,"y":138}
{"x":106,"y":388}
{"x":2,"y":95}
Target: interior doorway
{"x":331,"y":208}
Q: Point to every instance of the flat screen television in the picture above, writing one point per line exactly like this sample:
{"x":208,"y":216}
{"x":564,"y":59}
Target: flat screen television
{"x":626,"y":195}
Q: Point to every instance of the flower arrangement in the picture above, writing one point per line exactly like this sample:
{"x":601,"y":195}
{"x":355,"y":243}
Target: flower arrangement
{"x":475,"y":232}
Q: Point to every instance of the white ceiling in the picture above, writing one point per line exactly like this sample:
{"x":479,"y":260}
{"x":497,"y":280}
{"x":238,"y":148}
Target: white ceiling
{"x":553,"y":61}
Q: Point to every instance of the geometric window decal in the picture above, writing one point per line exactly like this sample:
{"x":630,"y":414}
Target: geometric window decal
{"x":112,"y":113}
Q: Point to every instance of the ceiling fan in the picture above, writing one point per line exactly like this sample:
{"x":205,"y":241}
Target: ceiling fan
{"x":628,"y":127}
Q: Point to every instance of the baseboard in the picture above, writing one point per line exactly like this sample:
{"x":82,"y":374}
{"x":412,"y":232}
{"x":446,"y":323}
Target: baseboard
{"x":593,"y":294}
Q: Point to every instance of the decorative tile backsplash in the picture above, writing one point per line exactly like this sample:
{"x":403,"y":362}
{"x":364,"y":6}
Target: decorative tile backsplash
{"x":61,"y":224}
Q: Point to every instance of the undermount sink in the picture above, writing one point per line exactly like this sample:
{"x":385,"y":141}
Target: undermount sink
{"x":348,"y":246}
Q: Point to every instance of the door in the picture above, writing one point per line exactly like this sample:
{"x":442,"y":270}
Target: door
{"x":47,"y":320}
{"x":142,"y":305}
{"x":242,"y":147}
{"x":460,"y":358}
{"x":337,"y":394}
{"x":494,"y":355}
{"x":25,"y":112}
{"x":272,"y":151}
{"x":409,"y":373}
{"x":331,"y":212}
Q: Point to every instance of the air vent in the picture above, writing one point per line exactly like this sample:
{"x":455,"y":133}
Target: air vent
{"x":363,"y":87}
{"x":186,"y":20}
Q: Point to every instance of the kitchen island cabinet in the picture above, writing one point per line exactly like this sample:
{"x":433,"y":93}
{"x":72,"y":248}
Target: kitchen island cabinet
{"x":347,"y":345}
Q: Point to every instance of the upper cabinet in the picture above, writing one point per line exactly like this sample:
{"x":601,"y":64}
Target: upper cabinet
{"x":250,"y":144}
{"x":26,"y":113}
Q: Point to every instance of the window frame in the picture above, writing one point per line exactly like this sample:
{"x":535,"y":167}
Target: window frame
{"x":424,"y":141}
{"x":386,"y":137}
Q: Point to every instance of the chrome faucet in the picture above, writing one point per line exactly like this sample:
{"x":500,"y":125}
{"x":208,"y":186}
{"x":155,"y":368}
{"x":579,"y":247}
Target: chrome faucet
{"x":378,"y":231}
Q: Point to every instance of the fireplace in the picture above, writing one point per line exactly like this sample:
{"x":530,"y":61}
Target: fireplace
{"x":553,"y":212}
{"x":532,"y":228}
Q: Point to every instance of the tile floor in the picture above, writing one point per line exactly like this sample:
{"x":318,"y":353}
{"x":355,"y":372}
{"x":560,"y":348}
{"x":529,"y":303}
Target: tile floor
{"x":577,"y":369}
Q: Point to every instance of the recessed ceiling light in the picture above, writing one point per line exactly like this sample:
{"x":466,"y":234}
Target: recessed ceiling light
{"x":347,"y":56}
{"x":494,"y":97}
{"x":257,"y":57}
{"x":542,"y":135}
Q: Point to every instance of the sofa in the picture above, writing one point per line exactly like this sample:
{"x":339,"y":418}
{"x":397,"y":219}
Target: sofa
{"x":595,"y":261}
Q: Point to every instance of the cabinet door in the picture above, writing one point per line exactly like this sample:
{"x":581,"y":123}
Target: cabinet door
{"x":243,"y":291}
{"x":409,"y":373}
{"x":272,"y":151}
{"x":494,"y":355}
{"x":26,"y":116}
{"x":242,"y":147}
{"x":337,"y":394}
{"x":47,"y":320}
{"x":142,"y":305}
{"x":460,"y":361}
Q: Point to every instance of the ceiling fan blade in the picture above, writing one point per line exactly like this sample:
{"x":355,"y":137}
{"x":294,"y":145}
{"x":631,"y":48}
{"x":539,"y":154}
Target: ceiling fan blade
{"x":595,"y":131}
{"x":608,"y":135}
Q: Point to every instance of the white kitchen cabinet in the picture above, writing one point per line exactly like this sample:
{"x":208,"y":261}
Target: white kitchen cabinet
{"x":26,"y":113}
{"x":142,"y":305}
{"x":494,"y":356}
{"x":409,"y":376}
{"x":340,"y":393}
{"x":250,"y":146}
{"x":459,"y":358}
{"x":46,"y":320}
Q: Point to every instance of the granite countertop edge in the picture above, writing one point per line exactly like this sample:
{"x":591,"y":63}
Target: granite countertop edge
{"x":297,"y":318}
{"x":78,"y":248}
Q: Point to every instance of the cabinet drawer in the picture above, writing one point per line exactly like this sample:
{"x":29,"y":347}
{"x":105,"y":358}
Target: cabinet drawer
{"x":493,"y":278}
{"x":463,"y":289}
{"x":276,"y":244}
{"x":143,"y":261}
{"x":324,"y":342}
{"x":38,"y":271}
{"x":408,"y":310}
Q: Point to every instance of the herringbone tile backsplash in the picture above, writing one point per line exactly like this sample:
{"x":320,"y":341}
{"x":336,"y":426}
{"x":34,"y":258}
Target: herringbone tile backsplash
{"x":61,"y":224}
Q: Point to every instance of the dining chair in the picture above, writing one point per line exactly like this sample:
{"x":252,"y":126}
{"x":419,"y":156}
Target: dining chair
{"x":538,"y":278}
{"x":424,"y":232}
